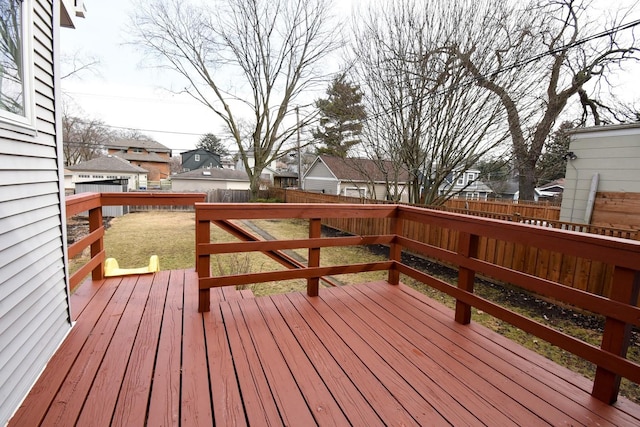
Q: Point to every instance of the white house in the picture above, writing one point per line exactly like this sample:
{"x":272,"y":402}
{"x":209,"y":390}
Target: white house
{"x":356,"y":178}
{"x":602,"y":181}
{"x":210,"y":179}
{"x":108,"y":168}
{"x":465,"y":184}
{"x":35,"y":312}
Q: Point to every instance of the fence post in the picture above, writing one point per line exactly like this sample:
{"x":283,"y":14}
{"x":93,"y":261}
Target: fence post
{"x":315,"y":231}
{"x":95,"y":222}
{"x":617,"y":334}
{"x":467,"y":247}
{"x":203,"y":260}
{"x":395,"y":249}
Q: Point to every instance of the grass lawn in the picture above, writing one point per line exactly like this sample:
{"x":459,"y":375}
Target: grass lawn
{"x":133,"y":238}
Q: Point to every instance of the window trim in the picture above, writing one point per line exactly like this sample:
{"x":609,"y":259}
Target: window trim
{"x":28,"y":120}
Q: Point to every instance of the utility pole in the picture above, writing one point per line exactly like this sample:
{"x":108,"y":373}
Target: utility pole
{"x":300,"y":181}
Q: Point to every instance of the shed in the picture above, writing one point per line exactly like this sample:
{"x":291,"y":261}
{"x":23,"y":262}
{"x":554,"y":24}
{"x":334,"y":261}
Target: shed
{"x":210,"y":179}
{"x":602,"y":182}
{"x":106,"y":186}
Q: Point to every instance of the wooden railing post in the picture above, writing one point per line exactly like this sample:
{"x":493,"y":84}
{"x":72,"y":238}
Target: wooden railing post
{"x":203,"y":261}
{"x":395,"y":249}
{"x":617,"y":334}
{"x":467,"y":247}
{"x":95,"y":222}
{"x":315,"y":231}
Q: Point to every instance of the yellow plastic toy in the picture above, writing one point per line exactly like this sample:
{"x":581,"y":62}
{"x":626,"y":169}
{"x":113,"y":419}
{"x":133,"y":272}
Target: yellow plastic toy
{"x":111,"y":267}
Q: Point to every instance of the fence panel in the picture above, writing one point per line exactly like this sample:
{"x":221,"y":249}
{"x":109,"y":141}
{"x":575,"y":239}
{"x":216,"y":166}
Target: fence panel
{"x":595,"y":277}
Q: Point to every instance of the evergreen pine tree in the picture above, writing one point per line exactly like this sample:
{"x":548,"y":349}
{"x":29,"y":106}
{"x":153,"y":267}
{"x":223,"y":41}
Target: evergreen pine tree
{"x":341,"y":116}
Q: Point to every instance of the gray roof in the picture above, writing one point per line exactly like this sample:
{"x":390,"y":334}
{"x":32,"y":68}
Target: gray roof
{"x":144,"y":157}
{"x":215,"y":174}
{"x":107,"y":164}
{"x":149,"y":145}
{"x":362,"y":170}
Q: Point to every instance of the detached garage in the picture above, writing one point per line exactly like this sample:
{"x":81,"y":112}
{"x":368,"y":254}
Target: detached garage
{"x":204,"y":180}
{"x":602,"y":184}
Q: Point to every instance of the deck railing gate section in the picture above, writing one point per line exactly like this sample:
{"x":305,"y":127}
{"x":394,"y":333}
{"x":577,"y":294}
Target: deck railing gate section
{"x":92,"y":204}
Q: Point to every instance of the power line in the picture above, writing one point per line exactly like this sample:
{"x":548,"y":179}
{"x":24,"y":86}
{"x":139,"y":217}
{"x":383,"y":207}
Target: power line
{"x":156,"y":130}
{"x":133,"y":98}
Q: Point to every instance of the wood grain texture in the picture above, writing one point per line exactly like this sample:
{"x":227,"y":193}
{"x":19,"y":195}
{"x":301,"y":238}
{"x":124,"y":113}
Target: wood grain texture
{"x":369,"y":354}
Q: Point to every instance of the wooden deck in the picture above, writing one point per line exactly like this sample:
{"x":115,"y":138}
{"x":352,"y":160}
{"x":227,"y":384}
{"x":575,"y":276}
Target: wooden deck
{"x":370,"y":354}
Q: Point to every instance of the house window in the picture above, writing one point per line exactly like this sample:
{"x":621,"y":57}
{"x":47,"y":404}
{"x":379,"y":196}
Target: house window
{"x":15,"y":63}
{"x":137,"y":150}
{"x":471,"y":178}
{"x":196,"y":157}
{"x":460,"y":180}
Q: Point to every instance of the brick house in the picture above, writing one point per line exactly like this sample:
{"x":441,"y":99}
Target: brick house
{"x":147,"y":154}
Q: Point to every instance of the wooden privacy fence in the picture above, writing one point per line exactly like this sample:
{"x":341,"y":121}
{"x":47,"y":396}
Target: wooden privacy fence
{"x":562,"y":267}
{"x":542,"y":211}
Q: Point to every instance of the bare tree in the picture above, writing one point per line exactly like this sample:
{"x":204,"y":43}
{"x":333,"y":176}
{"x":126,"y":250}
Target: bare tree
{"x":245,"y":60}
{"x":535,"y":57}
{"x":175,"y":164}
{"x":77,"y":63}
{"x":422,"y":113}
{"x":83,"y":139}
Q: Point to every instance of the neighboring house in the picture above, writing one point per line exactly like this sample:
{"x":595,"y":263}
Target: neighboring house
{"x":35,"y":314}
{"x":550,"y":191}
{"x":355,"y":177}
{"x":152,"y":156}
{"x":465,"y":185}
{"x":267,"y":171}
{"x":504,"y":189}
{"x":553,"y":188}
{"x":227,"y":162}
{"x":106,"y":169}
{"x":200,"y":159}
{"x":285,"y":179}
{"x":602,"y":181}
{"x":210,"y":179}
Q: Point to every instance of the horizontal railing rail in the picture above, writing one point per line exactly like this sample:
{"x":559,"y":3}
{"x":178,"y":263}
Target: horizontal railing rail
{"x":619,"y":308}
{"x":92,"y":203}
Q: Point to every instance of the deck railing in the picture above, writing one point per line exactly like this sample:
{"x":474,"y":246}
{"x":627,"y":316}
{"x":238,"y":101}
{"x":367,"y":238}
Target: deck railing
{"x":92,"y":203}
{"x":619,"y":308}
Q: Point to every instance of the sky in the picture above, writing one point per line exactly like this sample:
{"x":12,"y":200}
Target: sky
{"x":125,"y":92}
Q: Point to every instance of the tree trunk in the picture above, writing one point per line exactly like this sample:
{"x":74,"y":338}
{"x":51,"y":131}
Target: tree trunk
{"x":254,"y":185}
{"x":526,"y":179}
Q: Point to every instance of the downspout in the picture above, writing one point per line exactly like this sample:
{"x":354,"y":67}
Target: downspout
{"x":595,"y":179}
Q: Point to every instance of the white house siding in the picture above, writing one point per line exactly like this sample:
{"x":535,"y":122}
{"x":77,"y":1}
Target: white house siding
{"x":320,"y":170}
{"x":182,"y":185}
{"x":135,"y":180}
{"x":613,"y":152}
{"x":321,"y":185}
{"x":34,"y":310}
